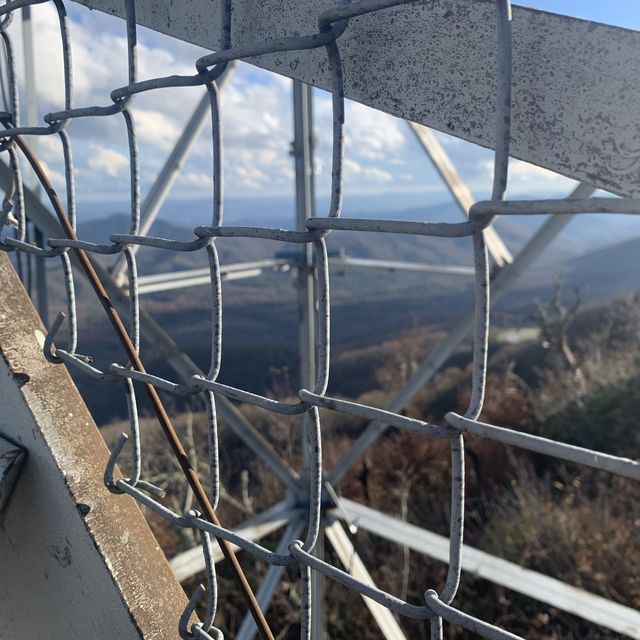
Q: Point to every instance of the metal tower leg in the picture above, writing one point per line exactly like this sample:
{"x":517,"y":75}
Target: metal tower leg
{"x":302,"y":150}
{"x":353,"y":564}
{"x":458,"y":188}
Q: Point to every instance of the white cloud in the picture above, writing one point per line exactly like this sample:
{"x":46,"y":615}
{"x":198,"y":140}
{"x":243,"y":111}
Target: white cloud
{"x":156,"y":129}
{"x":526,"y":172}
{"x":378,"y":175}
{"x":369,"y":134}
{"x":109,"y":161}
{"x":376,"y":152}
{"x":527,"y":179}
{"x":55,"y":176}
{"x":351,"y":168}
{"x":195,"y":179}
{"x":256,"y":113}
{"x":354,"y":170}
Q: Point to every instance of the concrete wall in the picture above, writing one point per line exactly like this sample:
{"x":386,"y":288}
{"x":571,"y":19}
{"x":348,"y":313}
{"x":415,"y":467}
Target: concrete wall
{"x":75,"y":560}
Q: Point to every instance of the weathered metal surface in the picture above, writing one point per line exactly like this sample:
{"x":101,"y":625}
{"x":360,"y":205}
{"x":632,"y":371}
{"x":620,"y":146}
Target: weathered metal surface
{"x":76,"y":561}
{"x":575,"y":82}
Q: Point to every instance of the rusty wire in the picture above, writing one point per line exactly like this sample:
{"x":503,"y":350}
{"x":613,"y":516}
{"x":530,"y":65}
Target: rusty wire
{"x":332,"y":23}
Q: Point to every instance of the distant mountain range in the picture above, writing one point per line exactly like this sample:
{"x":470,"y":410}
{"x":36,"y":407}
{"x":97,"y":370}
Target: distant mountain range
{"x":259,"y":318}
{"x":587,"y":240}
{"x":599,"y":272}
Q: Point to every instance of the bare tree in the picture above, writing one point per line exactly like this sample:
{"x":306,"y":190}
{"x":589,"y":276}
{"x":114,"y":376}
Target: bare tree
{"x":554,"y":319}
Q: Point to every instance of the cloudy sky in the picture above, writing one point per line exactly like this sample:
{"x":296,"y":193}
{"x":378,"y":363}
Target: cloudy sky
{"x":381,"y":153}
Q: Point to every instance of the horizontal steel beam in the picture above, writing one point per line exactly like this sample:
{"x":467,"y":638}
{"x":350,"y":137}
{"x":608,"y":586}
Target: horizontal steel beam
{"x":224,"y":270}
{"x":196,"y":277}
{"x":578,"y":602}
{"x":575,"y":82}
{"x":196,"y":281}
{"x":395,"y":265}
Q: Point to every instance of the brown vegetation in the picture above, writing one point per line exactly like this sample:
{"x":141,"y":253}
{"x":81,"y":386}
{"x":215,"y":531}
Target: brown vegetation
{"x":578,"y":526}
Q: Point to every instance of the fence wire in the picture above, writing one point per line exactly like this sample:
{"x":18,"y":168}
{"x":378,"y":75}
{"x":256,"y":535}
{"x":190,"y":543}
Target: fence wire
{"x":209,"y":69}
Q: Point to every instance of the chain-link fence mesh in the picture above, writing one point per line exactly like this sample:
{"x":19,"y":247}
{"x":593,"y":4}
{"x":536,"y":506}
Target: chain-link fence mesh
{"x":332,"y":23}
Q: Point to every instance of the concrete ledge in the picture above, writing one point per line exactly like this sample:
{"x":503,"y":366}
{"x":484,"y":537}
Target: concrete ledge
{"x":75,"y":560}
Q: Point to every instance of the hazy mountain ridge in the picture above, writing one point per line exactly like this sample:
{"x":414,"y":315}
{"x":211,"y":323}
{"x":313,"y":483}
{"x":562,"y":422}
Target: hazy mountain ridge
{"x":368,"y":306}
{"x":584,"y":239}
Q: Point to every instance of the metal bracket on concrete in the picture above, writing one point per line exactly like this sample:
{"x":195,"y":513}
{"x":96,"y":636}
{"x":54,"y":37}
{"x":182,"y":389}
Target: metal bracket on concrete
{"x":12,"y":459}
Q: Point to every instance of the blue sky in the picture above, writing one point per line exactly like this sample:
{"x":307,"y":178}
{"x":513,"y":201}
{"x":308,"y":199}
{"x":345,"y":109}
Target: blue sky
{"x":381,"y":155}
{"x":620,"y":13}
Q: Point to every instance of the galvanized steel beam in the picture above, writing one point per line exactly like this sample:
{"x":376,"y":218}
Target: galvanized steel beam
{"x":196,"y":277}
{"x":271,"y":580}
{"x":458,"y":189}
{"x":188,"y":563}
{"x":397,"y":265}
{"x":570,"y":76}
{"x":352,"y":562}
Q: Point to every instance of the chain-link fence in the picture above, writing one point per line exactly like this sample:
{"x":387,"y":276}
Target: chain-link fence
{"x":210,"y":68}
